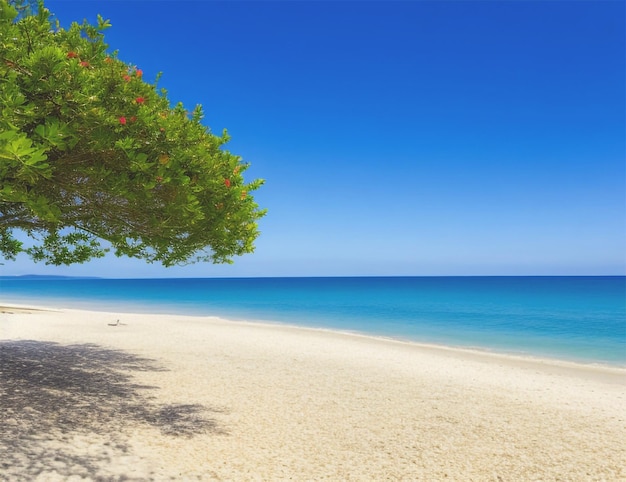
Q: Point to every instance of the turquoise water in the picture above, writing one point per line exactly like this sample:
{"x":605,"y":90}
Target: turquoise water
{"x":573,"y":318}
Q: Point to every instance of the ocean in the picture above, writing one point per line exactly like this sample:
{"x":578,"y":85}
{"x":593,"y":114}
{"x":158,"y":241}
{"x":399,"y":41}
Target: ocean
{"x":570,"y":318}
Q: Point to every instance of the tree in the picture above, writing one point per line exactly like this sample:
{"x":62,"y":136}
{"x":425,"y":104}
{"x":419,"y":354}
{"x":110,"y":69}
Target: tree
{"x":94,"y":158}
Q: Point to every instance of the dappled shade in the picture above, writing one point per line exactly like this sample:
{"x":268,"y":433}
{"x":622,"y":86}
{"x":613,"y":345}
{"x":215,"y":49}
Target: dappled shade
{"x":52,"y":394}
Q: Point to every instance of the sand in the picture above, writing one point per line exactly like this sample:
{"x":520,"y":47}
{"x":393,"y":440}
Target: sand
{"x":163,"y":397}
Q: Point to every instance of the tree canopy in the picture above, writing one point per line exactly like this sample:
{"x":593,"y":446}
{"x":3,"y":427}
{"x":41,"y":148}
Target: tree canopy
{"x":92,"y":157}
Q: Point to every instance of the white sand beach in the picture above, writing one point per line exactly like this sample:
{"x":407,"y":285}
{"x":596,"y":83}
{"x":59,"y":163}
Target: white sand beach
{"x":163,"y":397}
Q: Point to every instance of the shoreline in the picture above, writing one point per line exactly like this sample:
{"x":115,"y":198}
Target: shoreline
{"x":469,"y":350}
{"x":571,"y":318}
{"x":155,"y":397}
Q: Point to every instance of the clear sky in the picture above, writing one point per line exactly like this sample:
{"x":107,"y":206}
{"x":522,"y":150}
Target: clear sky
{"x":399,"y":138}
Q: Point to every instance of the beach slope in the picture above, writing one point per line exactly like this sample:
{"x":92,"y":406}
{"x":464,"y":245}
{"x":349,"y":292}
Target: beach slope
{"x":112,"y":396}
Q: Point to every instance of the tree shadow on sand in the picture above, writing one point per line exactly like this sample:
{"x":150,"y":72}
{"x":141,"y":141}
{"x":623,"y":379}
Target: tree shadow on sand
{"x":68,"y":410}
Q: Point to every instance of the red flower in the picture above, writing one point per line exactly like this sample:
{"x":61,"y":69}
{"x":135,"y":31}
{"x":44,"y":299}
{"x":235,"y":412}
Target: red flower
{"x":227,"y":182}
{"x":84,"y":64}
{"x":138,"y":72}
{"x":126,"y":78}
{"x":122,"y":120}
{"x":72,"y":55}
{"x":140,"y":100}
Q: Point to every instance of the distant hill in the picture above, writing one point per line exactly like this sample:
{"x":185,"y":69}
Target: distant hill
{"x":47,"y":277}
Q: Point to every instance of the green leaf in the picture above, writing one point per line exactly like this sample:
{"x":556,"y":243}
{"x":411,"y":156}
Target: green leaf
{"x":80,"y":157}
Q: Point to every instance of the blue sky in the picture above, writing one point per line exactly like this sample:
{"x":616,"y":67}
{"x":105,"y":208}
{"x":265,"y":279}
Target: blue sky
{"x":399,"y":138}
